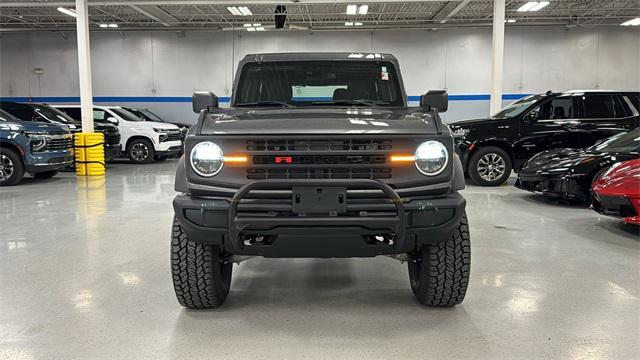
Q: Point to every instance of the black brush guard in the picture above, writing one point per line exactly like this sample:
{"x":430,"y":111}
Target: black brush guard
{"x":237,"y":225}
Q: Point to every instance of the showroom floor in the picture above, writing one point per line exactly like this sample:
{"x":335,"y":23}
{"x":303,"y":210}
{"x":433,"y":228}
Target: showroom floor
{"x":84,"y":273}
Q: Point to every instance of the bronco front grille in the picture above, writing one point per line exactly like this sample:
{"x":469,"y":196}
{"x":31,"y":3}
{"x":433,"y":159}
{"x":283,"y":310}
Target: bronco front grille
{"x":272,"y":145}
{"x":318,"y":173}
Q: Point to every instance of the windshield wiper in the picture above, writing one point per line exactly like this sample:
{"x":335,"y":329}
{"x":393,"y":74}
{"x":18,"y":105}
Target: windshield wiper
{"x":265,"y":103}
{"x":352,"y":102}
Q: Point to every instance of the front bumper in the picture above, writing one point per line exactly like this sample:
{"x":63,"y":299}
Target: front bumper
{"x":562,"y":185}
{"x":48,"y":161}
{"x":390,"y":225}
{"x":111,"y":152}
{"x":616,"y":206}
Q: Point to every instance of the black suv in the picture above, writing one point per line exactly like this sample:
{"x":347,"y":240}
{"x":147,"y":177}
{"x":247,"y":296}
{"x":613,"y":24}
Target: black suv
{"x":491,"y":148}
{"x":319,"y":156}
{"x":49,"y":114}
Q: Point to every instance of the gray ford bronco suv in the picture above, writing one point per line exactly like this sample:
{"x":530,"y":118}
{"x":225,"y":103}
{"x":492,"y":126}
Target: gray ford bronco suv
{"x":319,"y":156}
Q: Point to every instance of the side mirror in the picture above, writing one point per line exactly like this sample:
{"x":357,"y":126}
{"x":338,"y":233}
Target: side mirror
{"x":203,"y":100}
{"x":113,"y":120}
{"x":435,"y":99}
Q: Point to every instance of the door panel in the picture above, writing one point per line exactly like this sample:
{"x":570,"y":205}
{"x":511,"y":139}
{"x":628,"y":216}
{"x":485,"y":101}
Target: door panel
{"x":552,"y":124}
{"x":603,"y":115}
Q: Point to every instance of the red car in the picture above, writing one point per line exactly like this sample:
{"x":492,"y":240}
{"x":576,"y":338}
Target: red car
{"x":616,"y":192}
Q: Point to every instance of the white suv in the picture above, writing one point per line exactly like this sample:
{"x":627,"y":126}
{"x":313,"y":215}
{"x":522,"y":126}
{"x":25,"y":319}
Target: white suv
{"x":142,"y":141}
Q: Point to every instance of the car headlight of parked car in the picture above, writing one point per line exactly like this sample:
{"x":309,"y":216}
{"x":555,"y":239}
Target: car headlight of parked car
{"x":431,"y":158}
{"x":459,"y":132}
{"x":38,"y":140}
{"x":206,"y":159}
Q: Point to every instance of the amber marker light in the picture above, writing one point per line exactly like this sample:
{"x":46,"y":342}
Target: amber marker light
{"x":235,"y":159}
{"x":400,"y":158}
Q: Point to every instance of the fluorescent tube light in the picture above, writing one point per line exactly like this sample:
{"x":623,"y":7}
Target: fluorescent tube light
{"x":528,"y":6}
{"x":251,"y":29}
{"x":245,"y":11}
{"x":69,"y":12}
{"x":352,"y":9}
{"x":363,"y":9}
{"x":632,"y":22}
{"x":260,"y":28}
{"x":103,"y":26}
{"x":348,"y":23}
{"x":113,"y":25}
{"x":540,"y":5}
{"x":234,"y":10}
{"x":358,"y":24}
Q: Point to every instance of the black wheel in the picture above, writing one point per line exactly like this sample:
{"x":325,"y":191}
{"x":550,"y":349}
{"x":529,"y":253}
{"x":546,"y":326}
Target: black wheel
{"x":439,"y":274}
{"x":489,"y":166}
{"x":45,"y":174}
{"x":141,"y":151}
{"x":11,"y":167}
{"x":201,"y":276}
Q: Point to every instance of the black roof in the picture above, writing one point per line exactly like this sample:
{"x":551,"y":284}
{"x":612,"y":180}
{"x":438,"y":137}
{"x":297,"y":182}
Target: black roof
{"x":329,"y":56}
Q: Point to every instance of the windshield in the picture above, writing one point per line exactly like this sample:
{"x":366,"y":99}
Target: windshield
{"x":150,"y":115}
{"x":621,"y":143}
{"x":53,"y":114}
{"x":516,"y":108}
{"x":320,"y":83}
{"x":127,"y":115}
{"x":5,"y":116}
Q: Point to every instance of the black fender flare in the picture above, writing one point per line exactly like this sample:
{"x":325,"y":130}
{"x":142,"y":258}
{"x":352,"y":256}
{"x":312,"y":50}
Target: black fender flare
{"x":458,"y":182}
{"x":180,"y":184}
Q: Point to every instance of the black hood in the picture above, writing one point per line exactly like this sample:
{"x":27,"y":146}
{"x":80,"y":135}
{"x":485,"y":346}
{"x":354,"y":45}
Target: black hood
{"x":574,"y":161}
{"x":474,"y":122}
{"x":316,"y":120}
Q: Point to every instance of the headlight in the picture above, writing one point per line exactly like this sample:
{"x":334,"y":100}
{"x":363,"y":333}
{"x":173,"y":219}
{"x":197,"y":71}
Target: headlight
{"x":37,"y":140}
{"x":206,"y":159}
{"x":431,"y":158}
{"x":160,"y":130}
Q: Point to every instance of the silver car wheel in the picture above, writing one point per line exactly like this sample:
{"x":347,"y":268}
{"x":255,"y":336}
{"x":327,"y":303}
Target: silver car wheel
{"x":491,"y":167}
{"x":6,"y":167}
{"x":139,"y":152}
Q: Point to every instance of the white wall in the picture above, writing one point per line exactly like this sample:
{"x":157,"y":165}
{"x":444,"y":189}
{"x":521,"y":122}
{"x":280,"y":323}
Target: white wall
{"x":159,"y":64}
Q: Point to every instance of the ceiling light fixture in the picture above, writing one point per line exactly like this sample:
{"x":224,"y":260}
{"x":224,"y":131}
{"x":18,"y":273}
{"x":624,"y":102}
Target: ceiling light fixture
{"x":113,"y":25}
{"x":358,"y":24}
{"x":234,"y":10}
{"x":363,"y":9}
{"x":352,"y":9}
{"x":69,"y":12}
{"x":348,"y":23}
{"x":251,"y":29}
{"x":632,"y":22}
{"x":103,"y":26}
{"x":510,"y":21}
{"x":245,"y":11}
{"x":533,"y":6}
{"x":260,"y":28}
{"x":247,"y":25}
{"x":257,"y":25}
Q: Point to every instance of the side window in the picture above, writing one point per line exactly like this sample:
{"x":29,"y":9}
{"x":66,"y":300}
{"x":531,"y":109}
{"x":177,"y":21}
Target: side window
{"x":99,"y":115}
{"x":73,"y":113}
{"x":556,"y":109}
{"x":619,"y":108}
{"x":22,"y":112}
{"x":598,"y":107}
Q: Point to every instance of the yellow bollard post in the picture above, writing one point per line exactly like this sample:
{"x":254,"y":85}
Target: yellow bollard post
{"x":89,"y":152}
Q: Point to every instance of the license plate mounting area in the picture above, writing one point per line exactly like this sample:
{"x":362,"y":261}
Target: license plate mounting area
{"x":319,"y":200}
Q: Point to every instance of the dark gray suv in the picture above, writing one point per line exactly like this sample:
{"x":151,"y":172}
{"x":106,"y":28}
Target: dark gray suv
{"x":319,"y":156}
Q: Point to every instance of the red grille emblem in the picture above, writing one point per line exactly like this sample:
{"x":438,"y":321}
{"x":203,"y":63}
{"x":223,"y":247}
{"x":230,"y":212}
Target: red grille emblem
{"x":284,"y":160}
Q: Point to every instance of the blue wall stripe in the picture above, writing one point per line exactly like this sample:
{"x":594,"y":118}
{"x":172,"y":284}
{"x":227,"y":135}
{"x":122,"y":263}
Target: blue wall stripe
{"x":222,"y":99}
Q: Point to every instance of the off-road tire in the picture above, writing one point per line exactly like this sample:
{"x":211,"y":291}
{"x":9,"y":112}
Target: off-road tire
{"x":17,"y":167}
{"x":131,"y":151}
{"x":439,"y":273}
{"x":45,"y":174}
{"x":201,"y":276}
{"x":474,"y":174}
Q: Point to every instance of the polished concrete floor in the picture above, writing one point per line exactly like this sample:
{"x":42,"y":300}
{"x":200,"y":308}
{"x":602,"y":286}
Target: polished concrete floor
{"x":84,"y":273}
